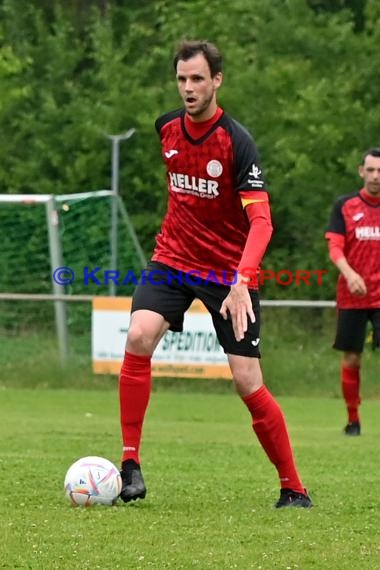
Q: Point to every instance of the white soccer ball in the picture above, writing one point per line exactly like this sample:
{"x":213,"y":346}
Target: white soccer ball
{"x":92,"y":481}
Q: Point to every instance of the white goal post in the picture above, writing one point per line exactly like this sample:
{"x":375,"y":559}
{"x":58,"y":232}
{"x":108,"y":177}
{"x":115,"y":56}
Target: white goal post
{"x":52,"y":219}
{"x":61,"y":215}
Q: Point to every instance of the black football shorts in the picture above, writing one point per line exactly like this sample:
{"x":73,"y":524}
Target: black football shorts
{"x":352,"y":329}
{"x":170,"y":292}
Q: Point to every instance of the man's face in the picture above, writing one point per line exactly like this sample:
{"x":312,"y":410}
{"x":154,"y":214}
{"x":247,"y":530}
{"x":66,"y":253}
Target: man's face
{"x":197,"y":88}
{"x":370,"y":172}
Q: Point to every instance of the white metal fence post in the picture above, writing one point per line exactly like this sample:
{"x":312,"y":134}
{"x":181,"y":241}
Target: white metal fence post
{"x":55,"y":262}
{"x":115,"y":139}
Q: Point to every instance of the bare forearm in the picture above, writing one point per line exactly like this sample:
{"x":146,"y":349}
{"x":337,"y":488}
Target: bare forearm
{"x":344,"y":267}
{"x":355,"y":282}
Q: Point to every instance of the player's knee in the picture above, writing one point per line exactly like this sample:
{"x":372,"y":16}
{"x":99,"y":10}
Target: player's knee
{"x":247,"y":378}
{"x":352,"y":359}
{"x":139,"y":340}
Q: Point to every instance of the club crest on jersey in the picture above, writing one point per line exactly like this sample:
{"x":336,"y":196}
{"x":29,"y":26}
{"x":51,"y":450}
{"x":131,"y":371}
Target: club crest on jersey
{"x":186,"y":184}
{"x":214,"y":168}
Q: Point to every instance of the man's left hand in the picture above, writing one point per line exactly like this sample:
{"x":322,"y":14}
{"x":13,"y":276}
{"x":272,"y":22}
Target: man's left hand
{"x":239,"y":305}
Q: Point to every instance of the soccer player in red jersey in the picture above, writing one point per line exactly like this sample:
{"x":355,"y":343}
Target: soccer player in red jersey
{"x":354,"y":246}
{"x":217,"y":223}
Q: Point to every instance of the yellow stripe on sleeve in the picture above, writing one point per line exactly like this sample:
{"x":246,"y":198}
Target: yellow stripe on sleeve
{"x":247,"y":201}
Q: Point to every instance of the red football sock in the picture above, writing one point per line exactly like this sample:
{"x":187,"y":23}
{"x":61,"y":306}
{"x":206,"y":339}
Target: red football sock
{"x":350,"y":378}
{"x":270,"y":428}
{"x":135,"y":382}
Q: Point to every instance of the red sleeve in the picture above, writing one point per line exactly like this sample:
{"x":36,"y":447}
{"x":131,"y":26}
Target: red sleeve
{"x":258,"y":237}
{"x":336,"y":245}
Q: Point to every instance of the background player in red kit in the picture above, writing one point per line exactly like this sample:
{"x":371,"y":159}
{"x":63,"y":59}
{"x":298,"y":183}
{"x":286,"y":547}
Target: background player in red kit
{"x":354,"y":246}
{"x":218,"y":220}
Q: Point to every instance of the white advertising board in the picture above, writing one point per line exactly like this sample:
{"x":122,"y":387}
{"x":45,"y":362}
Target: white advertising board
{"x":193,"y":353}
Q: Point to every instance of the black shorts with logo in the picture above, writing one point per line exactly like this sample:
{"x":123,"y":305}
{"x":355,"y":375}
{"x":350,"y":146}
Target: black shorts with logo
{"x":170,"y":292}
{"x":352,"y":329}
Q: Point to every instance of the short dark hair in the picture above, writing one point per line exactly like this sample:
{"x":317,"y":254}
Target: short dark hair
{"x":189,"y":48}
{"x":375,"y":151}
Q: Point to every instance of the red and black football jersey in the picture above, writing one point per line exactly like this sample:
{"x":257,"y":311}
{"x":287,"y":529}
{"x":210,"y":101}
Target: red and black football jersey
{"x":205,"y":227}
{"x":357,"y":218}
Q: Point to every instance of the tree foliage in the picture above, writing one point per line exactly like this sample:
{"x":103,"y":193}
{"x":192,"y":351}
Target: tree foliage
{"x":301,"y":75}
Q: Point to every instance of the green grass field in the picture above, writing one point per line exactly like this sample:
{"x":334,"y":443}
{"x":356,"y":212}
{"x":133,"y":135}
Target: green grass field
{"x":210,"y":487}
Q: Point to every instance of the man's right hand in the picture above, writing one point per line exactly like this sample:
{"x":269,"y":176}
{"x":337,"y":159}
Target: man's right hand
{"x":356,"y":284}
